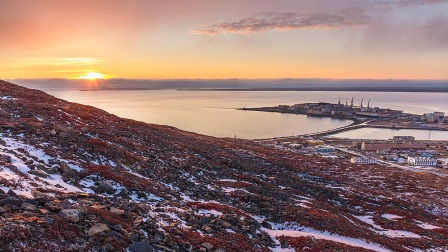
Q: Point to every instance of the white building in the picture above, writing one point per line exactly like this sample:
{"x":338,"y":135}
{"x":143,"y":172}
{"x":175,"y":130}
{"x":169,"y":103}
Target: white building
{"x":422,"y":161}
{"x":363,"y":160}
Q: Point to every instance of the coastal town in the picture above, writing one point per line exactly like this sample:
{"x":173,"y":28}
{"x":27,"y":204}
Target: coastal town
{"x":374,"y":116}
{"x":402,"y":151}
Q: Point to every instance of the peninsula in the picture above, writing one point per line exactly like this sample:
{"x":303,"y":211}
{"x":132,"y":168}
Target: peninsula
{"x":363,"y":116}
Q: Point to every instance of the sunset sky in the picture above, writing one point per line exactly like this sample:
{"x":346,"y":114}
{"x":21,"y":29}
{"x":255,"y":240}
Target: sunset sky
{"x":152,"y":39}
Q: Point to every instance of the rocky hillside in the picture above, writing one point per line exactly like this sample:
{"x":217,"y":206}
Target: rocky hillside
{"x":76,"y":178}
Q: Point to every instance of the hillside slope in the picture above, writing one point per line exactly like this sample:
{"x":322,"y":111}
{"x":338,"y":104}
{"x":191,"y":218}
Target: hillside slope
{"x":78,"y":178}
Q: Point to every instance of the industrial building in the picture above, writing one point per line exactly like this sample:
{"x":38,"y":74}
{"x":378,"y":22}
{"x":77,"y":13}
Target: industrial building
{"x":422,"y":161}
{"x":325,"y":149}
{"x":390,"y":145}
{"x":363,"y":160}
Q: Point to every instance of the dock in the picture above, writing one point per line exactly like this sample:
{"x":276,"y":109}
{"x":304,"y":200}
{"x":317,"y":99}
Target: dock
{"x":348,"y":128}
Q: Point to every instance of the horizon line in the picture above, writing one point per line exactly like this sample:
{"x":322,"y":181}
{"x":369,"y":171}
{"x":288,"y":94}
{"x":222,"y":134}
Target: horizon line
{"x":230,"y":78}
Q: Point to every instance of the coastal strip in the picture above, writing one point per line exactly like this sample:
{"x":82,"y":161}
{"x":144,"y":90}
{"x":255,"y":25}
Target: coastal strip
{"x":362,"y":116}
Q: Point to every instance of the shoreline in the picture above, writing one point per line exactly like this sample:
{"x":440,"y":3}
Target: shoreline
{"x":335,"y":89}
{"x":362,"y":117}
{"x":352,"y":127}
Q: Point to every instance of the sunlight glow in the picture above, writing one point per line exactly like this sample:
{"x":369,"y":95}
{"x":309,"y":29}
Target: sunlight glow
{"x":92,"y":76}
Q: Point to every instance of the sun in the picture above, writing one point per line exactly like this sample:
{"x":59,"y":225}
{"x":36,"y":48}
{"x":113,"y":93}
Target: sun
{"x":92,"y":76}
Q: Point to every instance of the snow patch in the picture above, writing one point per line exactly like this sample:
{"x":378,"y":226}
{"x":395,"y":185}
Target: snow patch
{"x":7,"y":98}
{"x":209,"y":212}
{"x":291,"y":230}
{"x":427,"y":226}
{"x":388,"y":232}
{"x":391,"y":216}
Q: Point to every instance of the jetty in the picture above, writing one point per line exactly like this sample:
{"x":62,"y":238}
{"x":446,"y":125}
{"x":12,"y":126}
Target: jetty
{"x":352,"y":126}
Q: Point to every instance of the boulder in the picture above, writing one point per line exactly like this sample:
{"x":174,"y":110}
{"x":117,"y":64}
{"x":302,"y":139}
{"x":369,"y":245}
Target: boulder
{"x":32,"y":201}
{"x":14,"y":168}
{"x":142,"y":246}
{"x":116,"y":211}
{"x":39,"y":173}
{"x":193,"y":222}
{"x":71,"y":215}
{"x":67,"y":171}
{"x":4,"y":114}
{"x":267,"y":225}
{"x":66,"y":204}
{"x":53,"y":207}
{"x":28,"y":206}
{"x":225,"y":224}
{"x":5,"y":159}
{"x":12,"y":201}
{"x":37,"y":194}
{"x":137,"y":221}
{"x":44,"y":211}
{"x":97,"y":229}
{"x":207,"y":245}
{"x":106,"y":187}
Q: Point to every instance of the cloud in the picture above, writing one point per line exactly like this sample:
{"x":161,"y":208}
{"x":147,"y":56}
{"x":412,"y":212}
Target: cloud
{"x":58,"y":61}
{"x":412,"y":35}
{"x":421,"y":2}
{"x":393,"y":4}
{"x":391,"y":31}
{"x":289,"y":21}
{"x":356,"y":13}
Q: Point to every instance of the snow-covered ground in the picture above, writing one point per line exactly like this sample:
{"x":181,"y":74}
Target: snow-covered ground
{"x":298,"y":231}
{"x":25,"y":181}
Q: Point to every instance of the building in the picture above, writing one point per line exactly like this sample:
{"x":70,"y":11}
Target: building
{"x":439,"y":116}
{"x":356,"y":145}
{"x":325,"y":149}
{"x":422,"y":161}
{"x":431,"y":117}
{"x":363,"y":160}
{"x":389,"y":145}
{"x":403,"y":138}
{"x":434,"y":117}
{"x":342,"y":112}
{"x":368,"y":113}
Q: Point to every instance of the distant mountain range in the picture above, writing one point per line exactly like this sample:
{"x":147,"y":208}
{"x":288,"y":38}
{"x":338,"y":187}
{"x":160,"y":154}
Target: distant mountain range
{"x":241,"y":84}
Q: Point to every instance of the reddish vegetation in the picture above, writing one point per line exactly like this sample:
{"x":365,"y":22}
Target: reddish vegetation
{"x":230,"y":242}
{"x":218,"y":207}
{"x":234,"y":184}
{"x":310,"y":244}
{"x":106,"y":217}
{"x":118,"y":175}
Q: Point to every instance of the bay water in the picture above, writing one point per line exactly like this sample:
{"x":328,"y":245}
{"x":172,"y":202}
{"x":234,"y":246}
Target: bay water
{"x":216,"y":113}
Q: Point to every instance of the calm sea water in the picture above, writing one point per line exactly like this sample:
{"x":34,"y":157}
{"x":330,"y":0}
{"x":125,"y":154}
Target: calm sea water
{"x":214,"y":112}
{"x":371,"y":133}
